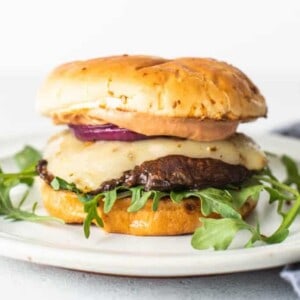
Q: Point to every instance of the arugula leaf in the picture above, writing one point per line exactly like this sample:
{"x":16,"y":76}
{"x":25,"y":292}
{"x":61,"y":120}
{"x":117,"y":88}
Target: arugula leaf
{"x":241,"y":195}
{"x":217,"y":233}
{"x":256,"y":235}
{"x":277,"y":195}
{"x":156,"y":197}
{"x":139,"y":202}
{"x":23,"y":199}
{"x":293,"y":176}
{"x":58,"y":183}
{"x":135,"y":194}
{"x":110,"y":198}
{"x":217,"y":201}
{"x":212,"y":200}
{"x":268,"y":172}
{"x":177,"y":196}
{"x":84,"y":197}
{"x":282,"y":189}
{"x":26,"y":160}
{"x":90,"y":203}
{"x":90,"y":208}
{"x":278,"y":236}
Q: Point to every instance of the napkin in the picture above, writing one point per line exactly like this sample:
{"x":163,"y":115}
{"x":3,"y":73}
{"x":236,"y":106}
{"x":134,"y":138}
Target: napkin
{"x":291,"y":130}
{"x":291,"y":273}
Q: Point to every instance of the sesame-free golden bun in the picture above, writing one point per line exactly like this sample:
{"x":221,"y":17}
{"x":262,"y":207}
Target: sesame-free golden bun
{"x":152,"y":95}
{"x":170,"y":218}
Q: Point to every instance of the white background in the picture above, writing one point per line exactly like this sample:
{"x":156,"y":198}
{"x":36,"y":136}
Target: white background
{"x":260,"y":37}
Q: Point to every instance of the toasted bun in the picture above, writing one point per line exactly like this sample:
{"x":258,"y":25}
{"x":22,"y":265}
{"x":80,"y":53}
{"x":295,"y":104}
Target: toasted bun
{"x":199,"y":88}
{"x":169,"y":219}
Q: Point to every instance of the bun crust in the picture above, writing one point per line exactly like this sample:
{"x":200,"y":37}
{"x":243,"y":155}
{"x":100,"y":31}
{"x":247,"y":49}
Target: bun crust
{"x":199,"y":88}
{"x":169,"y":219}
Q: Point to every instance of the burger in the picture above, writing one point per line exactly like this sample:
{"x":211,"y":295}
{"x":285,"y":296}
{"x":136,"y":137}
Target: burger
{"x":148,"y":142}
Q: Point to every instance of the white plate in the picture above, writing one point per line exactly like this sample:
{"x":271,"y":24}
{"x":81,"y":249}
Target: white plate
{"x":65,"y":245}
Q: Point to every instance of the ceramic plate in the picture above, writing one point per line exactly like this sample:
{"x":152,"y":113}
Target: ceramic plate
{"x":65,"y":245}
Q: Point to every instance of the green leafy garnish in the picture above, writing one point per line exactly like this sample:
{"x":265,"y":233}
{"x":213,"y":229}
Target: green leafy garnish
{"x":213,"y":233}
{"x":241,"y":195}
{"x":139,"y":202}
{"x":27,"y":158}
{"x":157,"y":195}
{"x":59,"y":184}
{"x":26,"y":161}
{"x":212,"y":201}
{"x":90,"y":207}
{"x":219,"y":233}
{"x":293,"y":176}
{"x":109,"y":200}
{"x":140,"y":197}
{"x":137,"y":194}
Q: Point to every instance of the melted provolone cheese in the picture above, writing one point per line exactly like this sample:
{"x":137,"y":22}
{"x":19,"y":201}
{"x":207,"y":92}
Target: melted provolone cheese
{"x":88,"y":164}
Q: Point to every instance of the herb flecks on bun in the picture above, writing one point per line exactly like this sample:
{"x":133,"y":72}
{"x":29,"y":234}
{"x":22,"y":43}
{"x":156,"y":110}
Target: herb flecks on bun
{"x":179,"y":97}
{"x":151,"y":145}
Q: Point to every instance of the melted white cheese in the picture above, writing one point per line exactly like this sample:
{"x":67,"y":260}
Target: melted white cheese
{"x":88,"y":164}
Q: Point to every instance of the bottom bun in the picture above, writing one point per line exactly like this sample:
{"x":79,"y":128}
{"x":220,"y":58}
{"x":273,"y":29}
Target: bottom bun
{"x":170,"y":218}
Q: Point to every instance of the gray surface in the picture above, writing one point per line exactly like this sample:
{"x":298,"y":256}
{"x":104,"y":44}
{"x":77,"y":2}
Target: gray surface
{"x":19,"y":279}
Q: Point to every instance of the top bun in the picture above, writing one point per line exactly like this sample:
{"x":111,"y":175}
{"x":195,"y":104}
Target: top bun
{"x":199,"y":88}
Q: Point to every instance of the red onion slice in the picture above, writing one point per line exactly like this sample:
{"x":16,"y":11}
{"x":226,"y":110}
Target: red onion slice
{"x":106,"y":132}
